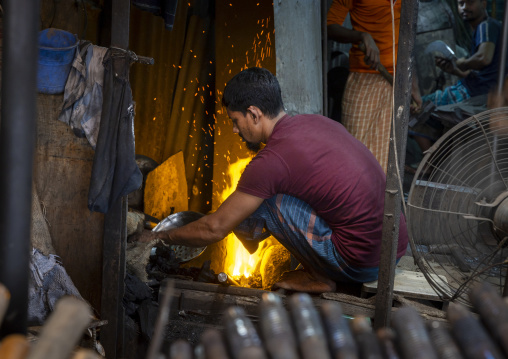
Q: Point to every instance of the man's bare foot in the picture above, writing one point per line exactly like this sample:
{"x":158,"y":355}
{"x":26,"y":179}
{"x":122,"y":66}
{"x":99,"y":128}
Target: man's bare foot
{"x":303,"y":281}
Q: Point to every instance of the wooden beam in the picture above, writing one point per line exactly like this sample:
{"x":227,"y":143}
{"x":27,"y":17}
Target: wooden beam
{"x":115,"y":227}
{"x":396,"y":156}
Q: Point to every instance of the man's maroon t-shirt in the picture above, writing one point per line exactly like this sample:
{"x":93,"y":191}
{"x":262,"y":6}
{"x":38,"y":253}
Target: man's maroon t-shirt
{"x":315,"y":159}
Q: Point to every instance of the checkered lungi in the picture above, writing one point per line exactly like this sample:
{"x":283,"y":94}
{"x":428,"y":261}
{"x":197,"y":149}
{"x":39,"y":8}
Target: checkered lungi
{"x":366,"y":112}
{"x":305,"y":235}
{"x":451,"y":94}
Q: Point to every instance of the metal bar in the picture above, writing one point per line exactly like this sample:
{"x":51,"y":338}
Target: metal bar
{"x":502,"y":55}
{"x":324,"y":41}
{"x":120,"y":24}
{"x":161,"y":322}
{"x":393,"y":198}
{"x":500,"y":85}
{"x":17,"y":143}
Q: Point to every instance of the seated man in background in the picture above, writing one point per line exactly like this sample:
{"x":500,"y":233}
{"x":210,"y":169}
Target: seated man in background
{"x":318,"y":190}
{"x":479,"y":72}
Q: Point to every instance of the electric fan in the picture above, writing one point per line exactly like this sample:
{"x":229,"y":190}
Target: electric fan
{"x":457,"y":208}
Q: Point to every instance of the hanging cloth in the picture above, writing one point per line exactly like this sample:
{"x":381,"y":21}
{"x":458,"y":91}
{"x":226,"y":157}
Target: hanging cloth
{"x":114,"y":171}
{"x":82,"y":103}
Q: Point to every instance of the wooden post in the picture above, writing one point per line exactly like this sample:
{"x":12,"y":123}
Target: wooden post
{"x":115,"y":226}
{"x":393,"y":196}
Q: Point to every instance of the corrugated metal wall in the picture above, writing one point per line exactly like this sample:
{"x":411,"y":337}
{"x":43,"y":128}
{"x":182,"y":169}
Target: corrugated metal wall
{"x":175,"y":97}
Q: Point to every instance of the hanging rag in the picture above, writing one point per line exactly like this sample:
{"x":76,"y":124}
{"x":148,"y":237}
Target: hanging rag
{"x":114,"y":170}
{"x":82,"y":103}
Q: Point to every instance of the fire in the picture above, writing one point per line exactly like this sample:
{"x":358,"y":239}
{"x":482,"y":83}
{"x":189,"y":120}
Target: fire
{"x":239,"y":262}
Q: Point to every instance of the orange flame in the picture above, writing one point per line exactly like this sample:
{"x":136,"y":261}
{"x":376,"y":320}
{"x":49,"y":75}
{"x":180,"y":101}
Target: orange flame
{"x":239,"y":262}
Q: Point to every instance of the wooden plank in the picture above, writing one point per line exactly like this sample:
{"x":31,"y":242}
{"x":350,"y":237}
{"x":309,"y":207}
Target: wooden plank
{"x":409,"y":284}
{"x":62,"y":168}
{"x":214,"y":288}
{"x":115,"y":227}
{"x":207,"y":298}
{"x":113,"y":278}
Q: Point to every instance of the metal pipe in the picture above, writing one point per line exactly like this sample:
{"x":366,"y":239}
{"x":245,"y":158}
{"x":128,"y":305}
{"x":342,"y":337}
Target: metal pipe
{"x":324,"y":42}
{"x":500,"y":84}
{"x":17,"y":142}
{"x":224,"y":278}
{"x":502,"y":55}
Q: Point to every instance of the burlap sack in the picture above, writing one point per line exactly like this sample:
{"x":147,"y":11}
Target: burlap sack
{"x":40,"y":237}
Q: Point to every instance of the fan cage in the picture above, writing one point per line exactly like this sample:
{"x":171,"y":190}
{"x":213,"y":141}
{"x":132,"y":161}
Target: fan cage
{"x":451,"y":205}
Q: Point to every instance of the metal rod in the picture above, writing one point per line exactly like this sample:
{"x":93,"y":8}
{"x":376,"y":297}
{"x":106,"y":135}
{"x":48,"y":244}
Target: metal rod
{"x":17,"y":142}
{"x":161,"y":322}
{"x":499,"y":90}
{"x":396,"y":156}
{"x":502,"y":55}
{"x":324,"y":41}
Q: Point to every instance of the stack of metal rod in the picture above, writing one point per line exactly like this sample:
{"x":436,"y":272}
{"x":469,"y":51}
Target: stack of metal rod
{"x":58,"y":337}
{"x":305,"y":331}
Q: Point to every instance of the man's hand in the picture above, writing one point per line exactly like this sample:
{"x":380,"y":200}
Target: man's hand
{"x":452,"y":67}
{"x":371,"y":51}
{"x":146,"y":236}
{"x":210,"y":228}
{"x":445,"y":64}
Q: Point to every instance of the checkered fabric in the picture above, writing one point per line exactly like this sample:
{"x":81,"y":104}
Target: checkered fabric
{"x":366,"y":112}
{"x":307,"y":236}
{"x":451,"y":94}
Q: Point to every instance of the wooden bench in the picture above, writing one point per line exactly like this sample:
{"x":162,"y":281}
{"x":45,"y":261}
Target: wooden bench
{"x":409,"y":284}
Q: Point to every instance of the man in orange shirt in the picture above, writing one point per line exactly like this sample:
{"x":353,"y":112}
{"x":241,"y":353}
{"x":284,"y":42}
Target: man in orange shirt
{"x":367,"y":101}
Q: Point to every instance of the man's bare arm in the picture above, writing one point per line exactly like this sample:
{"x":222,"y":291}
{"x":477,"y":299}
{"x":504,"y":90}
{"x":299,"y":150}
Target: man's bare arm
{"x":342,"y":34}
{"x":481,"y":58}
{"x":213,"y":227}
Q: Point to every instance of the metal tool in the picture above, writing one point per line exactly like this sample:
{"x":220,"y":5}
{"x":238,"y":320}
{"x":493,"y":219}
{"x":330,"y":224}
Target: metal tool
{"x":5,"y":297}
{"x":413,"y":336}
{"x":14,"y":346}
{"x":309,"y":329}
{"x":367,"y":342}
{"x":180,"y":349}
{"x":224,"y":278}
{"x":213,"y":344}
{"x":242,"y":337}
{"x":182,"y":253}
{"x":441,"y":47}
{"x":386,"y":337}
{"x":63,"y":329}
{"x":338,"y":331}
{"x":276,"y":330}
{"x":442,"y":341}
{"x":382,"y":70}
{"x":493,"y":311}
{"x":470,"y":335}
{"x":162,"y":321}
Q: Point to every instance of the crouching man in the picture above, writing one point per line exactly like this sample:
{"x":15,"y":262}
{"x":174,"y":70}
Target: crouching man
{"x":314,"y":187}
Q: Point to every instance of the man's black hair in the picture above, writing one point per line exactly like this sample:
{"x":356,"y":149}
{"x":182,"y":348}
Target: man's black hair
{"x":254,"y":86}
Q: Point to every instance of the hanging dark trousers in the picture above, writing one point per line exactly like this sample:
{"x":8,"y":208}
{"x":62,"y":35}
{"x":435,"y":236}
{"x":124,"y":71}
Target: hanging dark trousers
{"x":114,"y":172}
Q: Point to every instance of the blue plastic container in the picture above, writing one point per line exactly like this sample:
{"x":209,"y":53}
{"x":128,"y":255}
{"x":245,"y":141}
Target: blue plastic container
{"x":56,"y":53}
